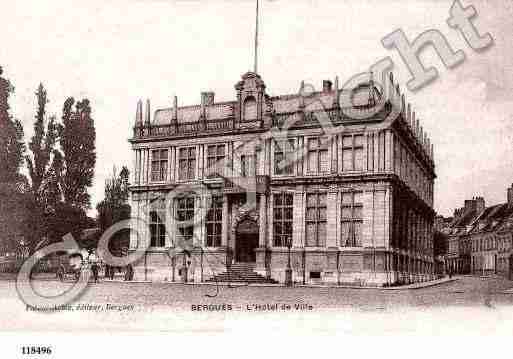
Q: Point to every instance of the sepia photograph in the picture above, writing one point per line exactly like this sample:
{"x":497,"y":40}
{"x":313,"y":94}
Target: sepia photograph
{"x":235,"y":168}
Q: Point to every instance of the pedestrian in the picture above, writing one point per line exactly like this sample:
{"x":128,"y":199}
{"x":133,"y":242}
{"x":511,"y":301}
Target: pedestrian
{"x":107,"y":271}
{"x":129,"y":273}
{"x":94,"y":268}
{"x":93,"y":260}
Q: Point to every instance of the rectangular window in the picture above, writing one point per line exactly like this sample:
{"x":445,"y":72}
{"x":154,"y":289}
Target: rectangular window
{"x":159,"y":160}
{"x":318,"y":155}
{"x":316,"y":219}
{"x":158,"y":224}
{"x":351,"y":219}
{"x":215,"y":160}
{"x":187,"y":163}
{"x":284,"y":157}
{"x":352,"y":153}
{"x":214,"y":222}
{"x":283,"y":217}
{"x":245,"y":166}
{"x":185,"y":218}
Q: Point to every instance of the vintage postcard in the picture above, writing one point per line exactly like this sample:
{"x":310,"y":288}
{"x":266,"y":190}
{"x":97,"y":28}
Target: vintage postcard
{"x":254,"y":167}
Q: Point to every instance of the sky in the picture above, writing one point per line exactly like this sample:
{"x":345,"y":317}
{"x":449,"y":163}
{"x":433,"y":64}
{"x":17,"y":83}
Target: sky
{"x":115,"y":52}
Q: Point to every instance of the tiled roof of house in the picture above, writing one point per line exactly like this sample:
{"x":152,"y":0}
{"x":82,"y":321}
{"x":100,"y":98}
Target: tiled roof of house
{"x":460,"y":223}
{"x":471,"y":221}
{"x":493,"y":218}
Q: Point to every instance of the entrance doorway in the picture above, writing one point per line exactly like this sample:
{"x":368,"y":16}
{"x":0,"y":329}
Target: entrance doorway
{"x":246,"y":241}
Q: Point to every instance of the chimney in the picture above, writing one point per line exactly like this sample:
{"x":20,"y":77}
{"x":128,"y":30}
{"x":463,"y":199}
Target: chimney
{"x":147,"y":117}
{"x":207,"y":98}
{"x":510,"y":196}
{"x":470,"y":204}
{"x":175,"y":108}
{"x":335,"y":102}
{"x":327,"y":86}
{"x":480,"y":204}
{"x":302,"y":95}
{"x":139,"y":113}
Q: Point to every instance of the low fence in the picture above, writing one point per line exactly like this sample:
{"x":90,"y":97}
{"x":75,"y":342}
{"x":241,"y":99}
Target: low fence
{"x":13,"y":265}
{"x":10,"y":265}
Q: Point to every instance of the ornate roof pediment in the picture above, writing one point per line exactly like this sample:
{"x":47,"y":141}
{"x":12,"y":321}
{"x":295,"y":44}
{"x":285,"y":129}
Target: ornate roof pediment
{"x":250,"y":82}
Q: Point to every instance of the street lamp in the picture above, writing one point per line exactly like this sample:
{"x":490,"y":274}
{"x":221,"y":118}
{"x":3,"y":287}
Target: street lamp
{"x":288,"y":271}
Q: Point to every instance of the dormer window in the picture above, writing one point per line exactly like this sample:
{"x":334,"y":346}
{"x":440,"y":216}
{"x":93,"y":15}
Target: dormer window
{"x":250,"y":109}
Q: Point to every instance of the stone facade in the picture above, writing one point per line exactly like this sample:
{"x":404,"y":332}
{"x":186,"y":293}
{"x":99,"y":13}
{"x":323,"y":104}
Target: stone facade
{"x":345,"y":207}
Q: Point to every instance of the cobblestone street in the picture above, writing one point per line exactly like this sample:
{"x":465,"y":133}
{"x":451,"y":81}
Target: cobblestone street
{"x":197,"y":307}
{"x":466,"y":291}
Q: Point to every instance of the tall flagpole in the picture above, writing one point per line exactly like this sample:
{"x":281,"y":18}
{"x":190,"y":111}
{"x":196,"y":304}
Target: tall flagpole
{"x":256,"y":39}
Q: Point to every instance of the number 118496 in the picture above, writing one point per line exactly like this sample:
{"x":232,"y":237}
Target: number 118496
{"x":35,"y":350}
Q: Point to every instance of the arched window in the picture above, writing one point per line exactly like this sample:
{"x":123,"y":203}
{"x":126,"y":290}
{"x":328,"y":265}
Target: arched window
{"x":250,"y":109}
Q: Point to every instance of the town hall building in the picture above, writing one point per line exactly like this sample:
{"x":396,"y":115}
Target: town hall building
{"x":302,"y":182}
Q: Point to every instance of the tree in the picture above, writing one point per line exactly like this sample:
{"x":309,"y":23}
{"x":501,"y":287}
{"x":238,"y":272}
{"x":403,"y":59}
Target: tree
{"x":51,"y":191}
{"x":114,"y":208}
{"x":70,"y":173}
{"x":42,"y":146}
{"x":68,"y":219}
{"x":13,"y":214}
{"x":13,"y":185}
{"x":43,"y":165}
{"x":12,"y":147}
{"x":77,"y":137}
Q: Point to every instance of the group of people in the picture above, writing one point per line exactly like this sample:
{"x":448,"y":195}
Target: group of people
{"x":93,"y":262}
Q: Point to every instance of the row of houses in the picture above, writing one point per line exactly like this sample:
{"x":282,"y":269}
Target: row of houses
{"x":479,"y":238}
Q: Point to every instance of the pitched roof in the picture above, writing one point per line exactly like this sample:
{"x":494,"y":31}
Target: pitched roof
{"x":494,"y":218}
{"x":466,"y":218}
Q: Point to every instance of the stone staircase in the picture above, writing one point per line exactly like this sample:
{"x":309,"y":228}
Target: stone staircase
{"x":241,"y":273}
